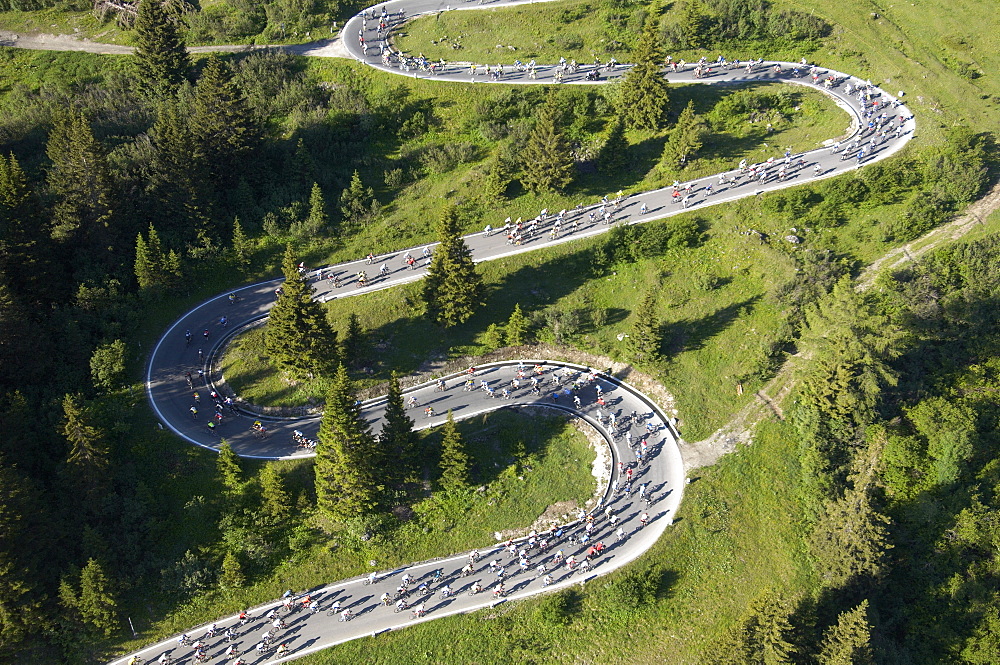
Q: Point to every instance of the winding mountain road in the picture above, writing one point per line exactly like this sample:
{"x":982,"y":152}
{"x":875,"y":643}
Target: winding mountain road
{"x":662,"y":473}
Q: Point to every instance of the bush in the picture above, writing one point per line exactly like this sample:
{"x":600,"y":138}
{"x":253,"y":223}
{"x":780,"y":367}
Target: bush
{"x":568,"y":41}
{"x":558,"y":609}
{"x":446,"y":156}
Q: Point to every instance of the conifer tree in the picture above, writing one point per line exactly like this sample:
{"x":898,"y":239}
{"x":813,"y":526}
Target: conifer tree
{"x":96,"y":604}
{"x":452,"y":290}
{"x":611,"y":158}
{"x":232,"y":576}
{"x":644,"y":92}
{"x":516,"y":331}
{"x":228,"y":467}
{"x":760,"y":637}
{"x":357,"y":203}
{"x":547,"y":159}
{"x":155,"y":270}
{"x":19,"y":601}
{"x":242,"y":247}
{"x":146,"y":267}
{"x":355,"y":345}
{"x":161,"y":61}
{"x":346,"y":455}
{"x":222,"y":123}
{"x":397,"y":439}
{"x":454,"y":459}
{"x":81,"y":183}
{"x":644,"y":340}
{"x":299,"y":338}
{"x":684,"y":141}
{"x":318,"y":220}
{"x":179,"y":175}
{"x":107,"y":365}
{"x":848,"y":642}
{"x":23,"y":260}
{"x":276,"y":505}
{"x":88,"y":455}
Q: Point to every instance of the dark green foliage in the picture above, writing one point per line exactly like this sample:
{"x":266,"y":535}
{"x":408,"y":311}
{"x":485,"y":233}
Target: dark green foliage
{"x":346,"y":456}
{"x":712,"y":22}
{"x":612,"y":157}
{"x":242,"y":247}
{"x":355,"y":342}
{"x":684,"y":141}
{"x":229,"y":468}
{"x":156,"y":269}
{"x":397,"y":440}
{"x":107,"y":365}
{"x":848,"y":642}
{"x":222,"y":123}
{"x":95,"y":602}
{"x":644,"y":97}
{"x":547,"y":162}
{"x":358,"y":204}
{"x":516,"y":330}
{"x":626,"y":244}
{"x":299,"y":337}
{"x":452,"y":290}
{"x":761,"y":637}
{"x":87,"y":461}
{"x":161,"y":60}
{"x":644,"y":338}
{"x":454,"y":459}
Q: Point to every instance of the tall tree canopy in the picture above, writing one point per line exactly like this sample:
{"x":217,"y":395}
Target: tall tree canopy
{"x":547,"y":159}
{"x":644,"y":92}
{"x":453,"y":290}
{"x":161,"y":60}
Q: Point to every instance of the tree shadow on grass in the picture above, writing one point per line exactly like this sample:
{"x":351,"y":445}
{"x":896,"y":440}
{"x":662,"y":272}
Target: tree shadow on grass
{"x":680,"y":336}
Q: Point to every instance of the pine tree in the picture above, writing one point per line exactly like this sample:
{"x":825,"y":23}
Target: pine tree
{"x":318,"y":220}
{"x":346,"y":455}
{"x":161,"y":61}
{"x":760,"y":637}
{"x":357,"y":203}
{"x":644,"y":92}
{"x":299,"y":338}
{"x":276,"y":505}
{"x":695,"y":24}
{"x":23,"y":259}
{"x":397,"y":439}
{"x":179,"y":175}
{"x":547,"y":159}
{"x":222,"y":123}
{"x":155,"y":270}
{"x":612,"y":156}
{"x":228,"y":467}
{"x":849,"y":641}
{"x":684,"y":141}
{"x":454,"y":459}
{"x":242,"y":247}
{"x":80,"y":181}
{"x":96,"y":604}
{"x":644,"y":340}
{"x":232,"y":576}
{"x":516,"y":331}
{"x":145,"y":267}
{"x":452,"y":290}
{"x":88,"y":455}
{"x":19,"y":602}
{"x":355,"y":344}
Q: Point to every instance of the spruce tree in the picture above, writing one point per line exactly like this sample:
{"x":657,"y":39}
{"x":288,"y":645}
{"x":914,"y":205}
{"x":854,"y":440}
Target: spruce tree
{"x":848,"y":642}
{"x":242,"y":247}
{"x":80,"y":182}
{"x":547,"y":159}
{"x":276,"y":504}
{"x":452,"y":290}
{"x":146,"y":268}
{"x":178,"y":179}
{"x":357,"y":203}
{"x":346,"y":456}
{"x":228,"y":467}
{"x":318,"y":220}
{"x":454,"y":459}
{"x":684,"y":141}
{"x":644,"y":340}
{"x":96,"y":604}
{"x":516,"y":331}
{"x":161,"y":61}
{"x":397,"y":439}
{"x":223,"y":123}
{"x":355,"y":344}
{"x":107,"y":365}
{"x":299,"y":338}
{"x":644,"y":92}
{"x":611,"y":157}
{"x":23,"y":260}
{"x":88,"y":455}
{"x":232,"y":576}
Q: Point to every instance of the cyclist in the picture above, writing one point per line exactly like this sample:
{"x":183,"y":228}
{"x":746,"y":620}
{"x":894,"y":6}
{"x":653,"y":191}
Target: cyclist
{"x":335,"y":608}
{"x":372,"y":577}
{"x":135,"y":660}
{"x":547,"y":580}
{"x":400,"y":605}
{"x":499,"y":591}
{"x":445,"y":591}
{"x":346,"y":615}
{"x":406,"y":579}
{"x":476,"y":588}
{"x":282,"y":650}
{"x":418,"y":611}
{"x":165,"y":659}
{"x":386,"y":600}
{"x":233,"y":650}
